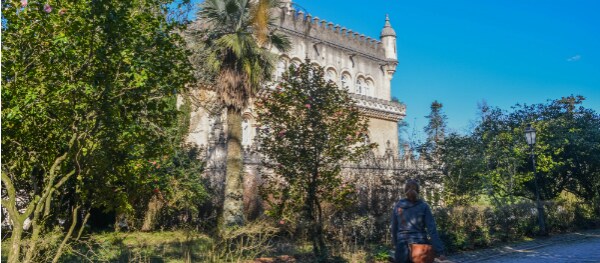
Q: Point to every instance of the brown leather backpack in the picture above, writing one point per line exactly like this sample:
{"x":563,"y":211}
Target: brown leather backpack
{"x":422,"y":253}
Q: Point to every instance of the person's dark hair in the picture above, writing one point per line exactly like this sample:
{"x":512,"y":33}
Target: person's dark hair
{"x":413,"y":182}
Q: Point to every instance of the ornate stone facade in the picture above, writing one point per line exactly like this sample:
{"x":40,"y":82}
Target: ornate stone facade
{"x":361,"y":64}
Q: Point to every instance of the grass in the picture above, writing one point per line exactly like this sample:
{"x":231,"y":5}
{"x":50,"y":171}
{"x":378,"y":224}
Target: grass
{"x":165,"y":246}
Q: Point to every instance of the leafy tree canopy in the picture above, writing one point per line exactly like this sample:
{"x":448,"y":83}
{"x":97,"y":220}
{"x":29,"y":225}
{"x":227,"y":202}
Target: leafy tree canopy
{"x":87,"y":90}
{"x":308,"y":128}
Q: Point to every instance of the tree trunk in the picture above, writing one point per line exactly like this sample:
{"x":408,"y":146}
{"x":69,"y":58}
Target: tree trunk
{"x":154,"y":207}
{"x":62,"y":245}
{"x":233,"y":205}
{"x":15,"y":238}
{"x":313,"y":211}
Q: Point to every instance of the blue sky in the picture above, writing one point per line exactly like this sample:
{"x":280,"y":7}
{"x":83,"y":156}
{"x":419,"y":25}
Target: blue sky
{"x":462,"y":52}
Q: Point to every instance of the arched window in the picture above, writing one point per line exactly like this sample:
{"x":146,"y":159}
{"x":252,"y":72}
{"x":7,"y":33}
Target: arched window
{"x":296,"y":62}
{"x":346,"y":80}
{"x":360,"y":86}
{"x":245,"y":132}
{"x":331,"y":75}
{"x":369,"y":88}
{"x":281,"y":67}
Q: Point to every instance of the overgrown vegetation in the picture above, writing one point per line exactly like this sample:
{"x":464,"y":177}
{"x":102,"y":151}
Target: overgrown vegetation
{"x":95,"y":168}
{"x":88,"y":101}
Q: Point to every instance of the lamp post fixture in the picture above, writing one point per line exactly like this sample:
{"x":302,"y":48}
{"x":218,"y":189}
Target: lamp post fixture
{"x":530,"y":136}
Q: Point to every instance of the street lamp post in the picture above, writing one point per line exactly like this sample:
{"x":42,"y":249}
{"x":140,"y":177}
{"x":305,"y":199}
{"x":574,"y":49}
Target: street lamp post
{"x":530,"y":136}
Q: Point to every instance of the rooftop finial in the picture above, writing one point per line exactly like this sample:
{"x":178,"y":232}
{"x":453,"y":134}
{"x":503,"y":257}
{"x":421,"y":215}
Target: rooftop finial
{"x":387,"y":28}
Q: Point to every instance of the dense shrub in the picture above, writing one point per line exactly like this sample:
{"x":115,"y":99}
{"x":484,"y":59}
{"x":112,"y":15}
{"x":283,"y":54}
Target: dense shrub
{"x":465,"y":228}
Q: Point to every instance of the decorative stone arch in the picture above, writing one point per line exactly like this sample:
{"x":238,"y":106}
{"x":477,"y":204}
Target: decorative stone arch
{"x":346,"y":80}
{"x":360,"y":86}
{"x":331,"y":74}
{"x":370,"y":86}
{"x":295,"y":61}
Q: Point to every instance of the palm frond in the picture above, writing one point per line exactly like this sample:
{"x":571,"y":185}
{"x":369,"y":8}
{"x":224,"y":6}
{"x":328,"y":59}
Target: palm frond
{"x":280,"y":42}
{"x":237,"y":35}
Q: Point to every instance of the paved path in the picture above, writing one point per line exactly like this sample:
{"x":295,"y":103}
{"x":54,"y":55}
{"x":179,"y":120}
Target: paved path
{"x":569,"y":248}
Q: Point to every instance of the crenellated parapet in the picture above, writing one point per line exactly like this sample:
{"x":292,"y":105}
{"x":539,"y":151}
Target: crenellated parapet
{"x":320,"y":31}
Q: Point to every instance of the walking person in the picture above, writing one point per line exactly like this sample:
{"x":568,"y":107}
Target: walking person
{"x":413,"y":223}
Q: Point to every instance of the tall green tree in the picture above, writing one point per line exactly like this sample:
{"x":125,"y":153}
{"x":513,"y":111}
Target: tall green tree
{"x":504,"y":156}
{"x":495,"y":159}
{"x":567,"y":147}
{"x":238,"y":35}
{"x":463,"y":169}
{"x":87,"y":87}
{"x":435,"y":131}
{"x":309,"y":128}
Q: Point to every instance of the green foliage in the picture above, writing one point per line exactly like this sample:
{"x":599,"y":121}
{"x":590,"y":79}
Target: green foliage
{"x":87,"y":90}
{"x":381,"y":253}
{"x":567,"y":148}
{"x":495,"y":159}
{"x":235,"y":34}
{"x":472,"y":227}
{"x":169,"y":246}
{"x":462,"y":170}
{"x":308,"y":129}
{"x":239,"y":244}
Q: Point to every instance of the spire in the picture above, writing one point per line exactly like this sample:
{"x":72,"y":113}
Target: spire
{"x":387,"y":29}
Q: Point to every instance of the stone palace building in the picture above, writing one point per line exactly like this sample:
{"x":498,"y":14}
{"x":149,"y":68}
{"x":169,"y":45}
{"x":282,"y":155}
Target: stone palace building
{"x":363,"y":65}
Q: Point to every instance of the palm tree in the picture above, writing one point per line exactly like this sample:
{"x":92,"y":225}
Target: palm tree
{"x":237,"y":36}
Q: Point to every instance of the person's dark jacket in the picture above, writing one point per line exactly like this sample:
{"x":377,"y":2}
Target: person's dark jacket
{"x":411,"y":222}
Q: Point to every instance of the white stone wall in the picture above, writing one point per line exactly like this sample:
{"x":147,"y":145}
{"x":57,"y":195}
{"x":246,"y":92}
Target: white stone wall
{"x":363,"y":65}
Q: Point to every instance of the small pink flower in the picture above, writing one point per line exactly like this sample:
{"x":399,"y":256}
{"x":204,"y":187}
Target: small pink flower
{"x":47,"y":8}
{"x":62,"y":11}
{"x":23,"y":3}
{"x":307,"y":106}
{"x":281,"y":133}
{"x":281,"y":222}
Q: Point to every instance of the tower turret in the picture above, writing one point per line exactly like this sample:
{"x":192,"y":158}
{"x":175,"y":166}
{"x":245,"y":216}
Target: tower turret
{"x":286,"y":3}
{"x":388,"y":39}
